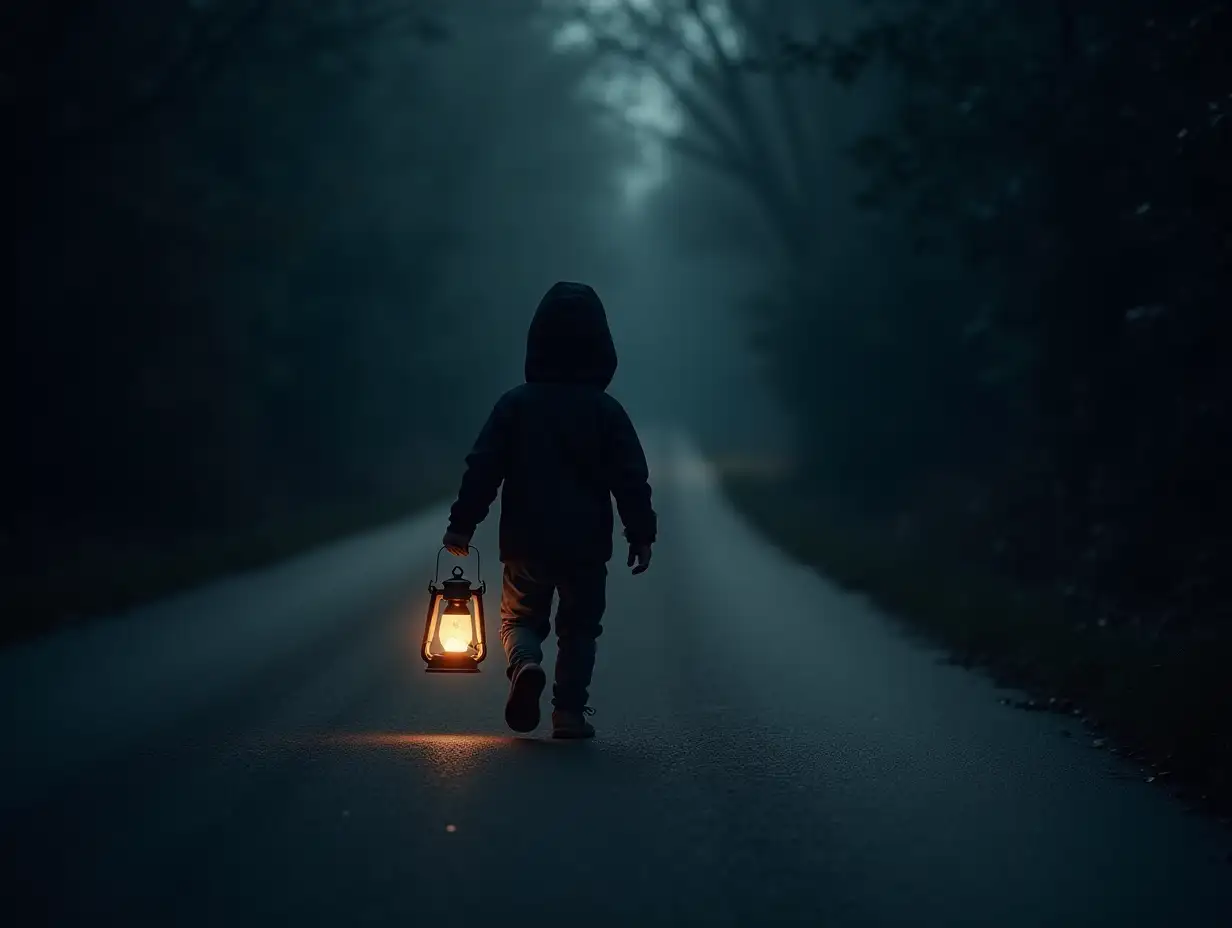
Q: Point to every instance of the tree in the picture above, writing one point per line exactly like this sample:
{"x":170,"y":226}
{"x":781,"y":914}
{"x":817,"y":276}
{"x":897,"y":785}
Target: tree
{"x":768,"y":129}
{"x":1075,"y":159}
{"x":178,"y":176}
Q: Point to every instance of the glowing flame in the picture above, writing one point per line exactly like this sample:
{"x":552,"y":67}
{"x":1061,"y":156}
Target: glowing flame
{"x":455,"y":633}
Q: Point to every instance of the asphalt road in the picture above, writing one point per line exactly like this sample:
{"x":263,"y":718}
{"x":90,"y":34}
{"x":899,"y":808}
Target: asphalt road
{"x":268,"y":751}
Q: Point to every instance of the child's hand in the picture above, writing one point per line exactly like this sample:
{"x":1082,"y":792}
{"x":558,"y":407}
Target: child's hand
{"x":457,"y":544}
{"x":641,"y":555}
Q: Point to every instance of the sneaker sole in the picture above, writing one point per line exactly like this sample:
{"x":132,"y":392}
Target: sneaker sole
{"x":522,"y":708}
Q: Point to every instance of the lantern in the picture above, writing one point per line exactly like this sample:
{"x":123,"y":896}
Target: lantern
{"x":454,"y":636}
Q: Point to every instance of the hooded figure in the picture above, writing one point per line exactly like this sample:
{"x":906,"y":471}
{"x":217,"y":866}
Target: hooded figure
{"x":562,"y":448}
{"x":561,"y":445}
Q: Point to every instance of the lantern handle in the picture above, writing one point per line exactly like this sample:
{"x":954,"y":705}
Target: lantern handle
{"x":436,"y":573}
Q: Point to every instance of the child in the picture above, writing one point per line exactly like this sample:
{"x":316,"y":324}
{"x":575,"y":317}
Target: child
{"x":563,"y":448}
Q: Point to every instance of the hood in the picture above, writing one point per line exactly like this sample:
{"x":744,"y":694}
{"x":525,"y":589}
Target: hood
{"x":569,"y":340}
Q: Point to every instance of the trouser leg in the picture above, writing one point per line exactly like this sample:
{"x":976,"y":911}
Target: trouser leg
{"x":583,"y":599}
{"x":526,"y":609}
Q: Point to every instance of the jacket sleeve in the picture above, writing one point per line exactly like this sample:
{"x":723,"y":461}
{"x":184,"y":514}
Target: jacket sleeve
{"x":485,"y":469}
{"x":630,"y":479}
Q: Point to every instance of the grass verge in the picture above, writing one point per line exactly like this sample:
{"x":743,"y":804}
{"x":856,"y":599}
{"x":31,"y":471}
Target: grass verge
{"x":1163,"y":702}
{"x":106,"y":580}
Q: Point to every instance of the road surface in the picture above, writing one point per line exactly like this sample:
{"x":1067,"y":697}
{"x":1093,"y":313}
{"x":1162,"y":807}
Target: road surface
{"x":267,"y":750}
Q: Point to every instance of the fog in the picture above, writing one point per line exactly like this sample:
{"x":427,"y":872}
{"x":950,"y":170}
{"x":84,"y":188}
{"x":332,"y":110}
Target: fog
{"x":278,"y":263}
{"x":933,"y":294}
{"x":940,"y":290}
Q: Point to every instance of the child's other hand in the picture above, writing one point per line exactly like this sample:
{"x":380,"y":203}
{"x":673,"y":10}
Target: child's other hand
{"x":457,"y":544}
{"x":639,"y":554}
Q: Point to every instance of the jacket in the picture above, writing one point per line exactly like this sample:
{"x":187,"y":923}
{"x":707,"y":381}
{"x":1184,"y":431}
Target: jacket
{"x":561,"y":445}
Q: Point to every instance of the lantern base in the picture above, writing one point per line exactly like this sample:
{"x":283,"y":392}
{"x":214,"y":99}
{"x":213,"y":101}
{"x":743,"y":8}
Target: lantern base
{"x":463,"y":664}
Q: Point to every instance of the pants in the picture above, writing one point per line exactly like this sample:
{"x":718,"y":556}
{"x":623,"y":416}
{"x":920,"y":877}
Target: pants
{"x":526,"y":608}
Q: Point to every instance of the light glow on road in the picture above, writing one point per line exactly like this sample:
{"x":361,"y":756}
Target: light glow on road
{"x":389,"y":739}
{"x":449,"y":755}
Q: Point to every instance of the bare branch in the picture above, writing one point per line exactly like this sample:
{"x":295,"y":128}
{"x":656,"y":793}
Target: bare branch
{"x":724,"y":61}
{"x":688,"y":99}
{"x":768,"y":177}
{"x":801,"y":173}
{"x":715,"y":95}
{"x":661,"y":31}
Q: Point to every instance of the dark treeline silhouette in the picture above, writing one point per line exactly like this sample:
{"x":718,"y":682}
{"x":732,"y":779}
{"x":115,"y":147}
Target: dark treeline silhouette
{"x":1065,"y":167}
{"x":243,"y":311}
{"x":1000,"y":319}
{"x":188,"y":250}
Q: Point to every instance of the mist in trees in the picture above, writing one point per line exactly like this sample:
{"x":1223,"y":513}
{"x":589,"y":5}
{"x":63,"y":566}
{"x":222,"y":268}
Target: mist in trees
{"x":989,"y":255}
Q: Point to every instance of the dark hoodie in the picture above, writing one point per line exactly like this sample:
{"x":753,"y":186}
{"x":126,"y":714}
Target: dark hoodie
{"x":561,"y":444}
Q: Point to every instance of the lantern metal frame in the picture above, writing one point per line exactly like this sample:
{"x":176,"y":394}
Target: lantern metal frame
{"x":456,"y":589}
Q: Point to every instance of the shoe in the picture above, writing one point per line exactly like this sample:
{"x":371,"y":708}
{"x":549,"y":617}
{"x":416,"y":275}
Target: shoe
{"x":522,"y":706}
{"x":571,"y":723}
